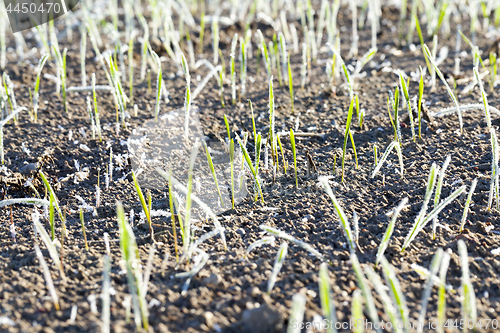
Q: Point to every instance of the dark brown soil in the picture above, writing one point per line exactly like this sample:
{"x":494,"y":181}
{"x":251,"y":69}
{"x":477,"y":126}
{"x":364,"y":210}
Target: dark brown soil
{"x":222,"y":295}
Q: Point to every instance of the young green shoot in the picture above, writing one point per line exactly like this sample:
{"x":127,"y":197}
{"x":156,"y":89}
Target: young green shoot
{"x":53,"y":202}
{"x":278,"y":263}
{"x":297,"y":313}
{"x":233,"y":71}
{"x":344,"y":222}
{"x":294,"y":151}
{"x":325,"y":293}
{"x":82,"y":221}
{"x":493,"y":70}
{"x":130,"y":255}
{"x":390,"y":228}
{"x":260,"y":242}
{"x":494,"y":188}
{"x":48,"y":243}
{"x":381,"y":290}
{"x":231,"y":162}
{"x":159,"y":81}
{"x":468,"y":297}
{"x":252,"y":169}
{"x":280,"y":234}
{"x":375,"y":156}
{"x":48,"y":278}
{"x":484,"y":97}
{"x":142,"y":200}
{"x":441,"y":304}
{"x":437,"y":195}
{"x":422,"y":219}
{"x":406,"y":95}
{"x":97,"y":120}
{"x":450,"y":92}
{"x":36,"y":94}
{"x":396,"y":293}
{"x":433,"y":269}
{"x":187,"y":99}
{"x":396,"y":145}
{"x":172,"y":215}
{"x":212,"y":169}
{"x":346,"y":134}
{"x":365,"y":290}
{"x":420,"y":95}
{"x":467,"y":204}
{"x":290,"y":83}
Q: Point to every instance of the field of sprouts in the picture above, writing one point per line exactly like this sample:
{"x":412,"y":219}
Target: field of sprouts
{"x":251,"y":166}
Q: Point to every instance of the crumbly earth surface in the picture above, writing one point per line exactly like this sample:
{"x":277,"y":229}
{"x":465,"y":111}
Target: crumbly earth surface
{"x":229,"y":293}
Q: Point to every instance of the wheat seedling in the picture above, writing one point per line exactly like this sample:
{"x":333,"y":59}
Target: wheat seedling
{"x":467,"y":204}
{"x":97,"y":120}
{"x":420,"y":95}
{"x":172,"y":215}
{"x":441,"y":306}
{"x":297,"y":313}
{"x":450,"y":92}
{"x":37,"y":85}
{"x":381,"y":290}
{"x":48,"y":243}
{"x":106,"y":299}
{"x":198,"y":262}
{"x":231,"y":162}
{"x":290,"y":83}
{"x":365,"y":289}
{"x":344,"y":222}
{"x":233,"y":72}
{"x":484,"y":97}
{"x":294,"y":151}
{"x":434,"y":266}
{"x":82,"y":221}
{"x":278,"y":233}
{"x":252,"y":169}
{"x":142,"y":200}
{"x":215,"y":38}
{"x":48,"y":278}
{"x":468,"y":297}
{"x":404,"y":89}
{"x":494,"y":188}
{"x":346,"y":134}
{"x":397,"y":146}
{"x":493,"y":70}
{"x":54,"y":203}
{"x":243,"y":65}
{"x":159,"y":81}
{"x":421,"y":221}
{"x":212,"y":169}
{"x":389,"y":230}
{"x":437,"y":195}
{"x":264,"y":240}
{"x":187,"y":99}
{"x":278,"y":263}
{"x":130,"y":255}
{"x":398,"y":297}
{"x":325,"y":291}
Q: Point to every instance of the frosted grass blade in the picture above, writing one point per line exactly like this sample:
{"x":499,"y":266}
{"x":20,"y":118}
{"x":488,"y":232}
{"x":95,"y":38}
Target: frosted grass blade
{"x":467,"y":204}
{"x":396,"y":292}
{"x":437,"y":195}
{"x":344,"y":222}
{"x":436,"y":261}
{"x":327,"y":304}
{"x":260,"y":242}
{"x":278,"y":233}
{"x":297,"y":313}
{"x":389,"y":230}
{"x":278,"y":263}
{"x":365,"y":289}
{"x":450,"y":92}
